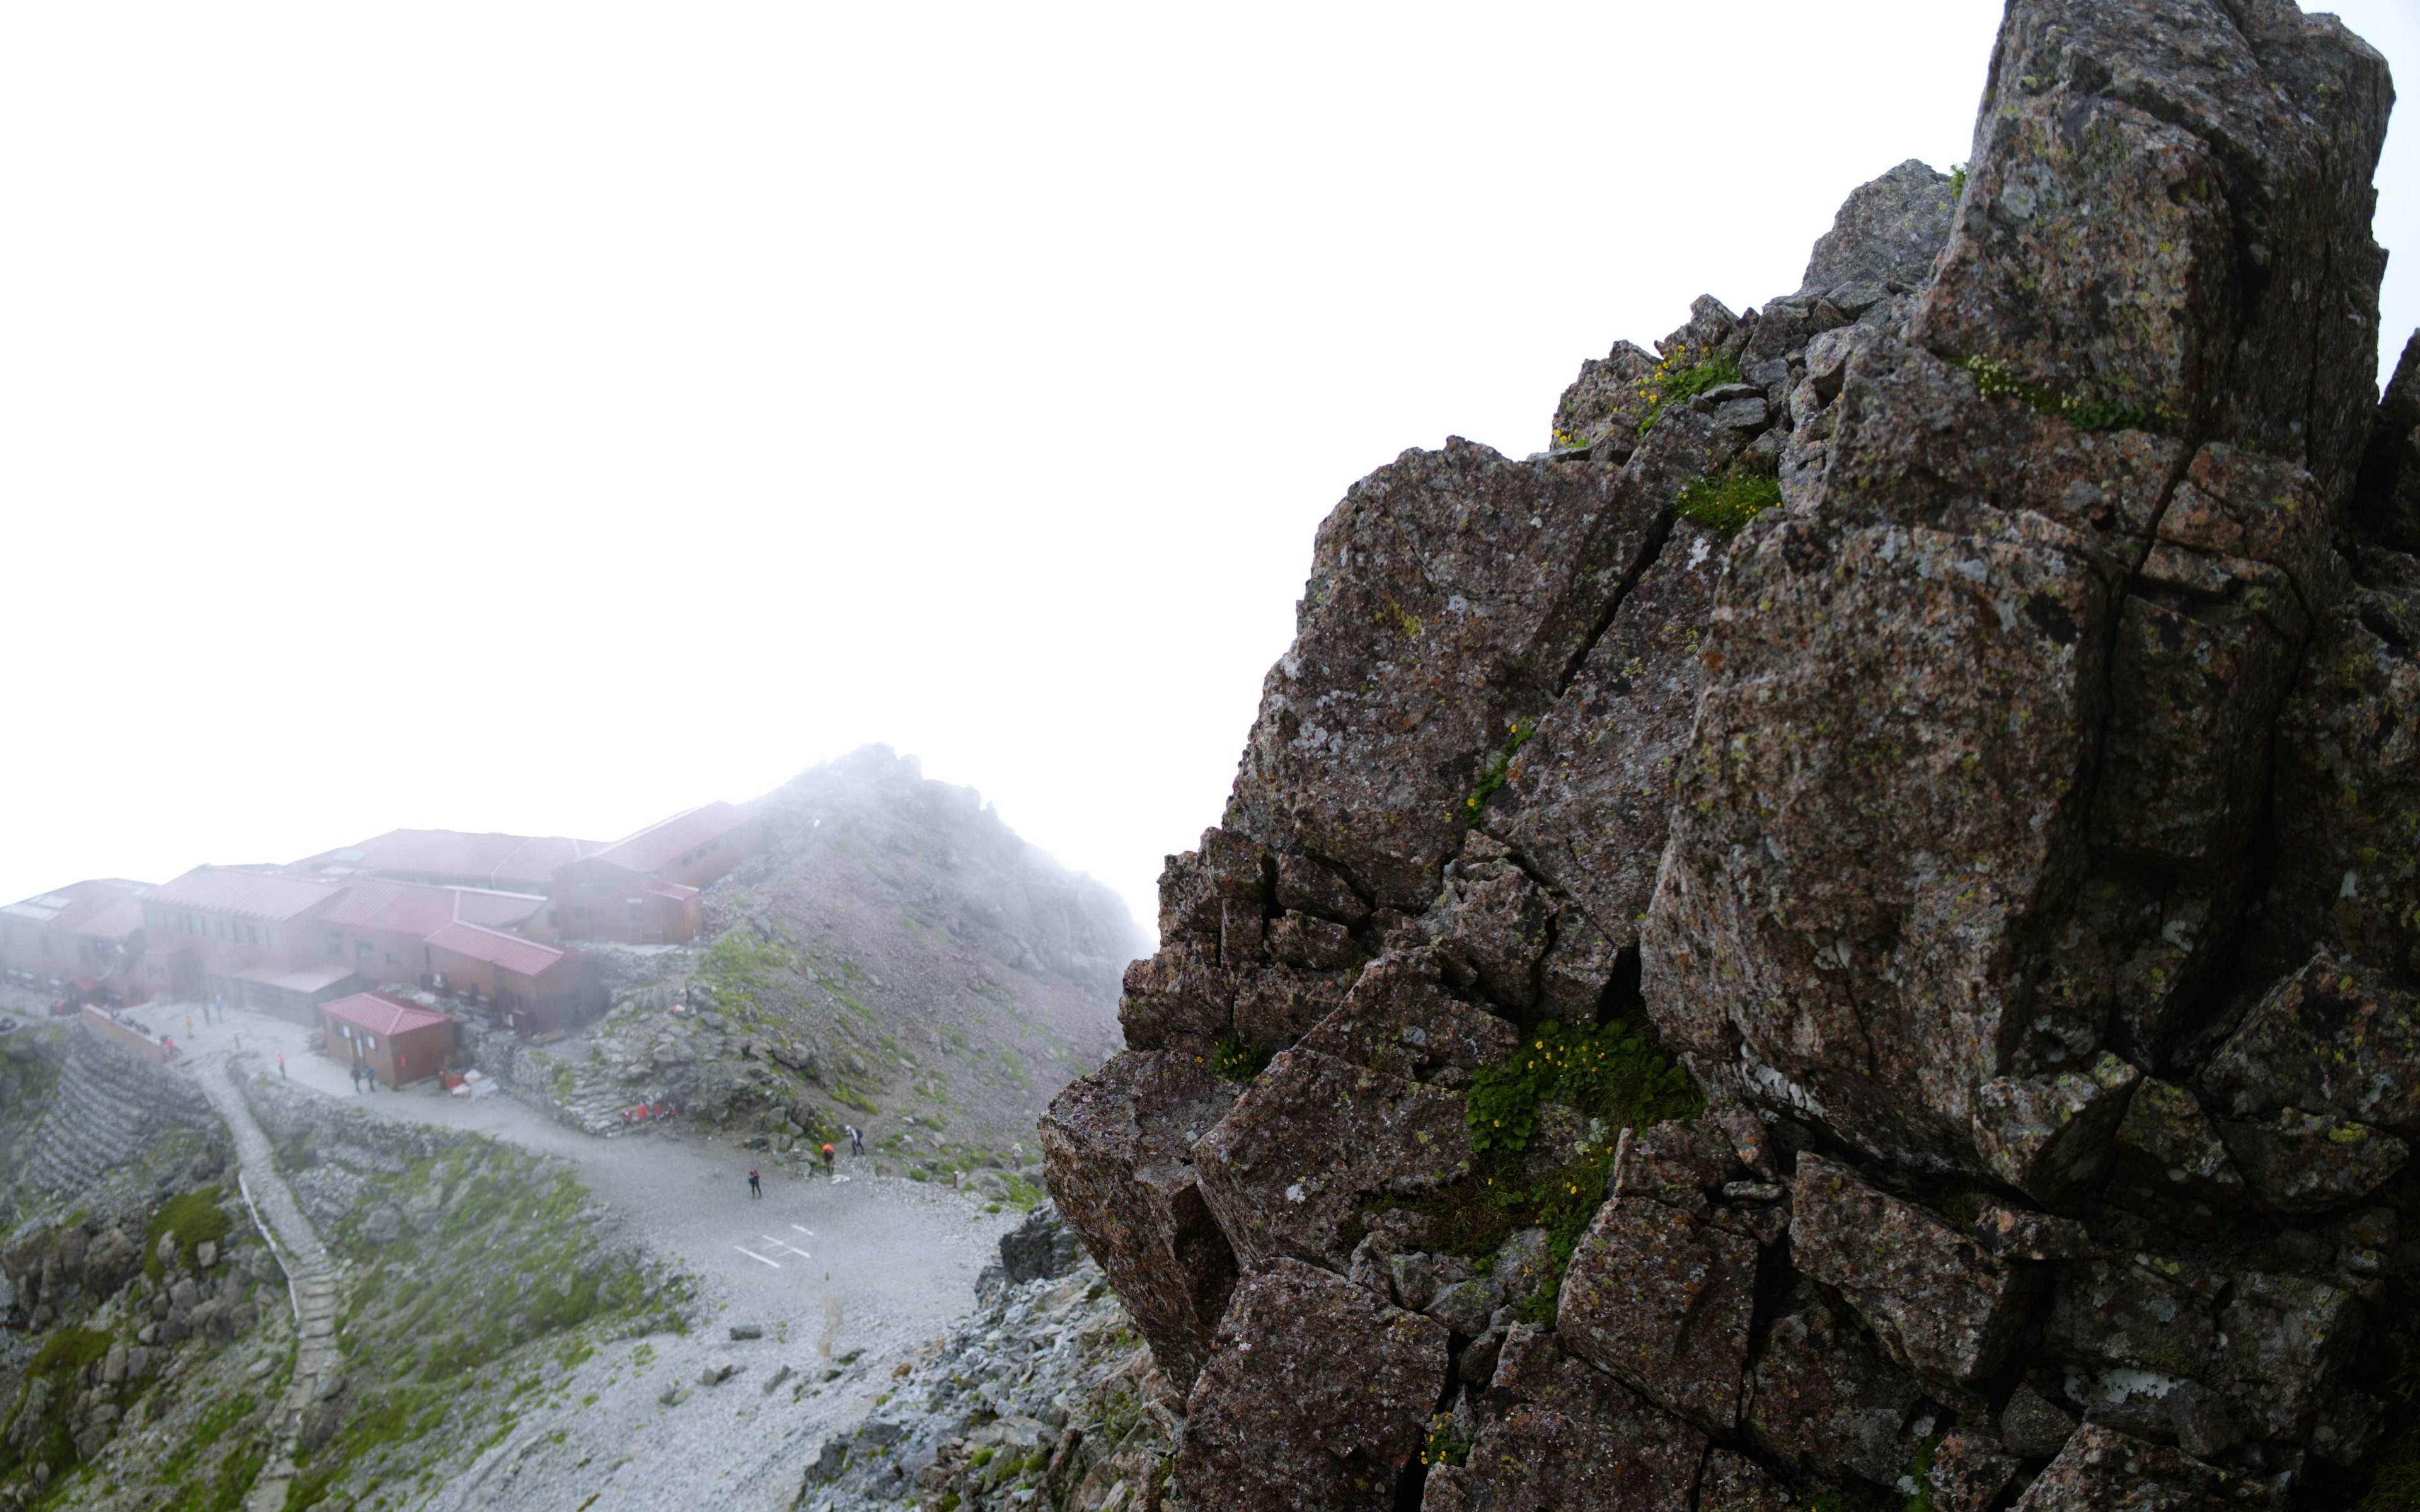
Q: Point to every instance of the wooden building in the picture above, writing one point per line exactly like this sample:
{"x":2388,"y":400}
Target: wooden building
{"x":86,"y":939}
{"x":644,"y":888}
{"x":454,"y":858}
{"x":536,"y":988}
{"x":247,"y":935}
{"x":380,"y":929}
{"x":397,"y":1041}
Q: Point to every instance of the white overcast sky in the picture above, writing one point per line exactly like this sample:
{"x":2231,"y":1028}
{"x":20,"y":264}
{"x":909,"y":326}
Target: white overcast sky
{"x":547,"y":417}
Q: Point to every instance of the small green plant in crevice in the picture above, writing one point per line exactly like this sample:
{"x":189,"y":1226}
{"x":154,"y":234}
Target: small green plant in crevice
{"x":1684,"y":373}
{"x":1957,"y":180}
{"x":1922,"y":1473}
{"x":1498,"y":768}
{"x":1238,"y":1060}
{"x":1443,"y":1445}
{"x":1610,"y":1072}
{"x":1993,"y":381}
{"x":1730,"y":499}
{"x":1401,"y":621}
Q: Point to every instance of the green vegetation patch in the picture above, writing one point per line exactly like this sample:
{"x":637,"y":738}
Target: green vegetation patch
{"x":1443,"y":1445}
{"x":500,"y":1289}
{"x":1730,"y":499}
{"x":1993,"y":381}
{"x":1237,"y":1060}
{"x":1496,"y":770}
{"x":1682,"y":375}
{"x":193,"y":1217}
{"x":1611,"y":1072}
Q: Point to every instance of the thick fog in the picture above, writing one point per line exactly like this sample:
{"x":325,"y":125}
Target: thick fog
{"x":548,"y":417}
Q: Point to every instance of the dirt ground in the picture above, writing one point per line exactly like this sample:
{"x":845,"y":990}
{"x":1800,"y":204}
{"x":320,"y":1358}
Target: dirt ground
{"x":860,"y":1264}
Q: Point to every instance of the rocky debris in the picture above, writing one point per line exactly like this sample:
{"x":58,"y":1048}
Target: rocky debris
{"x":1316,"y":1396}
{"x":1040,"y":1398}
{"x":1118,"y":1150}
{"x":2346,"y":774}
{"x":1662,"y":1299}
{"x":1449,"y":593}
{"x":2032,"y":1427}
{"x":1968,"y":1472}
{"x":1938,"y":1301}
{"x":1400,"y":1019}
{"x":2167,"y":1149}
{"x":2328,"y":1038}
{"x":1963,"y":710}
{"x":1823,"y":1398}
{"x":2307,"y":1163}
{"x":1310,"y":1142}
{"x":2101,"y":1468}
{"x":1883,"y":241}
{"x":1039,"y":1249}
{"x":1556,"y":1433}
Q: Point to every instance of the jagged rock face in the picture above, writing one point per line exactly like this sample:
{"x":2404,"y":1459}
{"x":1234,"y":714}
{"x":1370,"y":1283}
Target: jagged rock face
{"x":1315,"y":1397}
{"x":1886,"y":237}
{"x":1975,"y":779}
{"x":1451,"y":594}
{"x":2012,"y":831}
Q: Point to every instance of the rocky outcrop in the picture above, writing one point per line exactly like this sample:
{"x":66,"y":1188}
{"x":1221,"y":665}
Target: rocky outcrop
{"x":1041,"y":1398}
{"x":1959,"y":710}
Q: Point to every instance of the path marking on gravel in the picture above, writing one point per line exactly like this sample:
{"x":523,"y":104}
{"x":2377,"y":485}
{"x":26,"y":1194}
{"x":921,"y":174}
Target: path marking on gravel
{"x":804,"y":1229}
{"x":758,"y":1259}
{"x":778,"y":1244}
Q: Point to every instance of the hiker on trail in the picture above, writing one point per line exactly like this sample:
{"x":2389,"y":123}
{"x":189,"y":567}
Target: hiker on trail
{"x":281,"y":1063}
{"x":357,"y":1078}
{"x":856,"y":1139}
{"x":189,"y":1022}
{"x":828,"y":1160}
{"x":168,"y":1046}
{"x":755,"y":1184}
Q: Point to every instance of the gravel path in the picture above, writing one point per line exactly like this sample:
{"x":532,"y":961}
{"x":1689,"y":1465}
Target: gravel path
{"x":310,"y":1274}
{"x":864,"y":1265}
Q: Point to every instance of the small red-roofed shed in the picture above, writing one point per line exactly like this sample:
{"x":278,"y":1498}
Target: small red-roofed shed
{"x":395,"y":1041}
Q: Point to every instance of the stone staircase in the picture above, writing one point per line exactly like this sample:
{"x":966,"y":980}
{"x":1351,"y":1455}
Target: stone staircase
{"x":107,"y":1110}
{"x":311,"y":1274}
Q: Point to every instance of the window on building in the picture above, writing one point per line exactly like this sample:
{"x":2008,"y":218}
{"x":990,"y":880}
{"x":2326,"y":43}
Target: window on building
{"x":270,"y":935}
{"x":151,"y":969}
{"x":580,"y":911}
{"x":393,"y":959}
{"x":551,"y":922}
{"x":250,"y":934}
{"x":362,"y":949}
{"x":638,"y":911}
{"x":369,"y":1041}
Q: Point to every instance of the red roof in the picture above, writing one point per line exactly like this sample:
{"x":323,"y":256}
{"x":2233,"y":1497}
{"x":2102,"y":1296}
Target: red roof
{"x":103,"y":907}
{"x":499,"y":860}
{"x":411,"y":909}
{"x":378,"y":1013}
{"x":245,"y":894}
{"x":510,"y":952}
{"x":667,"y":838}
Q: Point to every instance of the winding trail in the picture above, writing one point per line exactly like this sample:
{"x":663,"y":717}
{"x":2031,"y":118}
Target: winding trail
{"x":311,"y":1276}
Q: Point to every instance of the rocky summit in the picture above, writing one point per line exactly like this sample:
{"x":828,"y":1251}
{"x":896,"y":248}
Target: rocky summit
{"x":1847,"y":932}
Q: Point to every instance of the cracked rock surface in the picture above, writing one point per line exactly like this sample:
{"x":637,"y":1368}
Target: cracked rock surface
{"x":2011,"y":828}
